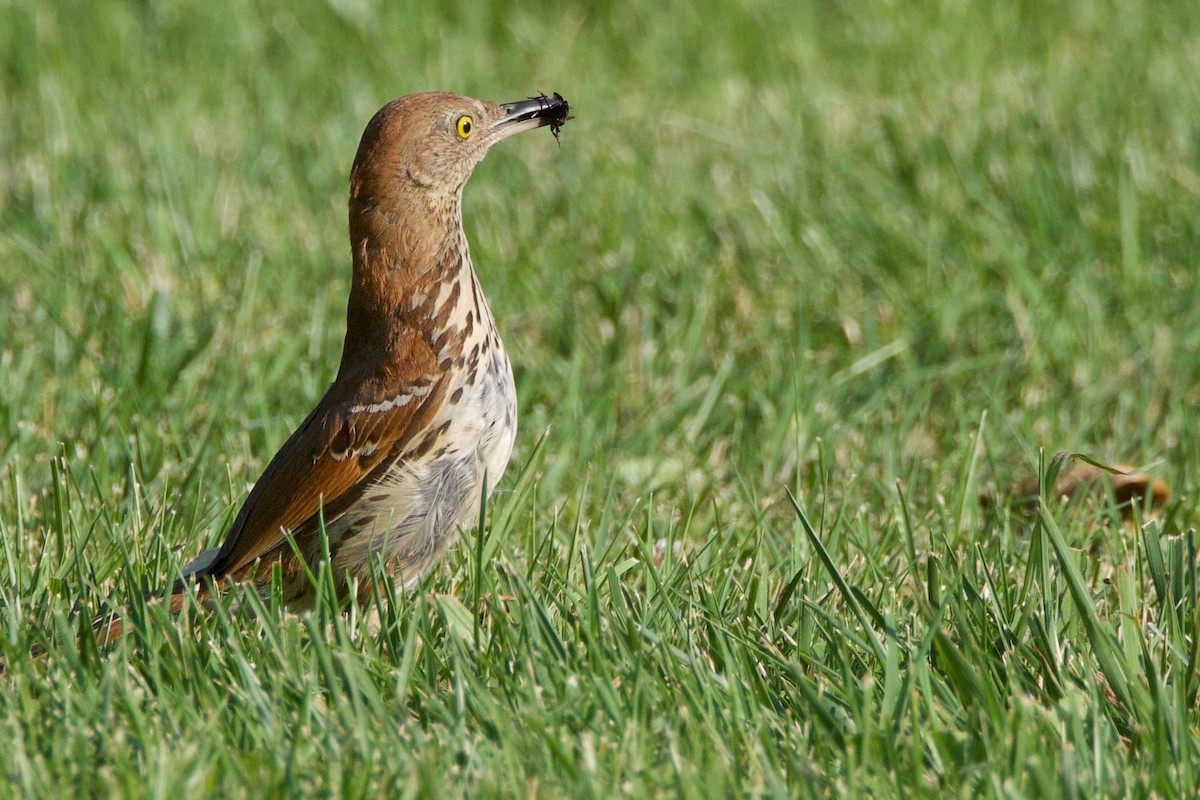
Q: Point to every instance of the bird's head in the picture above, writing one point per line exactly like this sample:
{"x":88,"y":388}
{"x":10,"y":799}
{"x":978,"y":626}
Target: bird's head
{"x":430,"y":143}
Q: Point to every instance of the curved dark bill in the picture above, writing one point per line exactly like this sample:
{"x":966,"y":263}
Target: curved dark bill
{"x":543,"y":110}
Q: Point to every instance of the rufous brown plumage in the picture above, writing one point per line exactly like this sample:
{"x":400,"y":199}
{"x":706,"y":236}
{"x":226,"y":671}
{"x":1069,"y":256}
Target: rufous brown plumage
{"x":422,"y":415}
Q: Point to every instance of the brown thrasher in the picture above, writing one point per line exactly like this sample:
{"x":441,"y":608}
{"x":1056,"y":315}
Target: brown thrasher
{"x":423,"y":411}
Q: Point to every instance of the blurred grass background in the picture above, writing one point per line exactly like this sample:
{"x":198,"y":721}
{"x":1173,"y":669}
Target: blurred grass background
{"x":881,"y":255}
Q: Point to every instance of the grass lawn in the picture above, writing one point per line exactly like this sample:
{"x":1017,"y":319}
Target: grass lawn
{"x":877,"y":257}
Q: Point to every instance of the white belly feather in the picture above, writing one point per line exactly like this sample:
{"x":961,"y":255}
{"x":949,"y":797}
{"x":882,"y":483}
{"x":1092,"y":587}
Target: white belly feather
{"x":413,"y":513}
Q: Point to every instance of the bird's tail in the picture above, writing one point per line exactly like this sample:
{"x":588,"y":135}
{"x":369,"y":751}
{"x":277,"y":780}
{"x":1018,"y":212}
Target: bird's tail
{"x":109,"y":626}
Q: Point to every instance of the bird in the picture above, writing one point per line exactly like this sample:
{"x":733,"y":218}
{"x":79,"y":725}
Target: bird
{"x":420,"y":420}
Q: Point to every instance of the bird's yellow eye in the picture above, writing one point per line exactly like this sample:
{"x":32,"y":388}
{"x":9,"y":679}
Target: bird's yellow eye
{"x":465,"y":126}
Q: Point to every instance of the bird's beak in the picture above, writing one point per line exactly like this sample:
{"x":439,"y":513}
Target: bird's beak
{"x":525,"y":115}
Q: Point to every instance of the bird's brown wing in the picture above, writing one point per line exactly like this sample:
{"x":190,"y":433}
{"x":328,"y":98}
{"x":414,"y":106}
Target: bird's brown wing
{"x":358,"y":430}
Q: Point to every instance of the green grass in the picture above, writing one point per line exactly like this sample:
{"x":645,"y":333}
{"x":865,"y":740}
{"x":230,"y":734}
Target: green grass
{"x":880,"y":256}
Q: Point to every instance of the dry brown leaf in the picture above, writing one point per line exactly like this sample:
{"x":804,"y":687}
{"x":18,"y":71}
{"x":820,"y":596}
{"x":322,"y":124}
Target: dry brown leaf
{"x":1085,"y":480}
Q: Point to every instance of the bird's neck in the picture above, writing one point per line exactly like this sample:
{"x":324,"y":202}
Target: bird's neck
{"x":403,"y":253}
